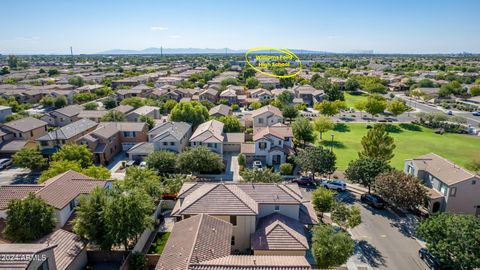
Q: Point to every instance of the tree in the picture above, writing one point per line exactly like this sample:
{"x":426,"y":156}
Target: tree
{"x":252,"y":83}
{"x":231,"y":123}
{"x":242,"y":161}
{"x":360,"y":106}
{"x":60,"y":102}
{"x":199,"y":160}
{"x":191,"y":112}
{"x":302,"y":130}
{"x":61,"y":166}
{"x":169,"y":105}
{"x":323,"y":124}
{"x":323,"y":199}
{"x":90,"y":222}
{"x":4,"y":70}
{"x":145,"y":179}
{"x":74,"y":152}
{"x":375,"y":104}
{"x":352,"y":85}
{"x":364,"y":171}
{"x":147,"y":119}
{"x":110,"y":103}
{"x":346,"y":217}
{"x":97,"y":172}
{"x":286,"y":169}
{"x":29,"y":158}
{"x":453,"y":238}
{"x":289,"y":112}
{"x":29,"y":219}
{"x":113,"y":116}
{"x":404,"y":191}
{"x":248,"y":72}
{"x":162,"y":161}
{"x":135,"y":102}
{"x":377,"y":144}
{"x":327,"y":108}
{"x":52,"y":72}
{"x":316,"y":160}
{"x":12,"y":61}
{"x":261,"y":176}
{"x":47,"y":101}
{"x":475,"y":91}
{"x":256,"y":105}
{"x":334,"y":93}
{"x":128,"y":214}
{"x":91,"y":106}
{"x":397,"y":107}
{"x":77,"y":81}
{"x":331,"y":248}
{"x":286,"y":98}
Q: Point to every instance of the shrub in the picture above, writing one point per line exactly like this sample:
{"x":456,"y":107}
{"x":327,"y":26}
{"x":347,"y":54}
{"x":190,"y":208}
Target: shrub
{"x":286,"y":169}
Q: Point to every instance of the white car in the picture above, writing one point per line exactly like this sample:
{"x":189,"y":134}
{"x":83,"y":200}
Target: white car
{"x":143,"y":164}
{"x":336,"y":184}
{"x":257,"y":165}
{"x":5,"y":163}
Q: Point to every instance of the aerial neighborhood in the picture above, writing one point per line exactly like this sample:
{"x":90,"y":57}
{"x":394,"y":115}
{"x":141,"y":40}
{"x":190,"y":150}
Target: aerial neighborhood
{"x":237,"y":159}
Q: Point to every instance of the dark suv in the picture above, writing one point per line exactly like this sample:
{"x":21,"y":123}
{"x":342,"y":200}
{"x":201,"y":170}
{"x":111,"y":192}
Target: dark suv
{"x":373,"y":200}
{"x":304,"y":181}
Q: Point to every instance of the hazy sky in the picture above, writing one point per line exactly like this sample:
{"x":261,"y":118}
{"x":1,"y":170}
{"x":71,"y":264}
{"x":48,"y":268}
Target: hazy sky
{"x":385,"y":26}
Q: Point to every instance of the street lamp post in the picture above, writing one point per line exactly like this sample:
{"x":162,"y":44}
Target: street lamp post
{"x":331,"y":146}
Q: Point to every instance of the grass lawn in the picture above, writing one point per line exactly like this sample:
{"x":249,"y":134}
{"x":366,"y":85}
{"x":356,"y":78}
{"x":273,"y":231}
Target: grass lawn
{"x":158,"y":243}
{"x":351,"y":99}
{"x":410,"y":140}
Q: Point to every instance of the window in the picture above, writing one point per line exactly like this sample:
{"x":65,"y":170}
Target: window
{"x":172,"y":143}
{"x":209,"y":144}
{"x":276,"y":208}
{"x":474,"y":182}
{"x":44,"y":265}
{"x":72,"y":205}
{"x":262,"y":145}
{"x":31,"y":133}
{"x":20,"y":135}
{"x":260,"y":120}
{"x":410,"y":170}
{"x":443,"y":189}
{"x":453,"y":191}
{"x":165,"y":143}
{"x":232,"y":241}
{"x":44,"y":143}
{"x":233,"y":220}
{"x":61,"y":119}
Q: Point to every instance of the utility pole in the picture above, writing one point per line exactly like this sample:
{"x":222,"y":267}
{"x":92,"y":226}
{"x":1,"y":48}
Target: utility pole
{"x":161,"y":51}
{"x":71,"y":54}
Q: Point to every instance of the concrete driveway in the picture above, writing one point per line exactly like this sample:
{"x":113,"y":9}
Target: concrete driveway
{"x":17,"y":176}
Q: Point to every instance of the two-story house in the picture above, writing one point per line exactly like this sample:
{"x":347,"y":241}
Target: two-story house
{"x":27,"y":128}
{"x":61,"y":192}
{"x":52,"y":141}
{"x":220,"y":110}
{"x":309,"y":94}
{"x":170,"y":136}
{"x":4,"y":112}
{"x":271,"y":146}
{"x":258,"y":212}
{"x":140,"y":90}
{"x":209,"y":134}
{"x":150,"y":111}
{"x":266,"y":116}
{"x":261,"y":94}
{"x":451,"y":188}
{"x":63,"y":116}
{"x":110,"y":138}
{"x":208,"y":94}
{"x":230,"y":95}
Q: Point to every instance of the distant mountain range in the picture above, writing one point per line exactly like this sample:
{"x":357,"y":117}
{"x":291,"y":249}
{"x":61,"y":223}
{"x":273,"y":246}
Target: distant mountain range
{"x":195,"y":51}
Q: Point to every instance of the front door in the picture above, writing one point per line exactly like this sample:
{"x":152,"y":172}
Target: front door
{"x":276,"y":159}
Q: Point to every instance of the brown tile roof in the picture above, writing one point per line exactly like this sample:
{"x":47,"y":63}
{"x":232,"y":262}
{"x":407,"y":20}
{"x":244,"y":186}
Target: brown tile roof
{"x":22,"y":251}
{"x":269,"y":108}
{"x":255,"y":262}
{"x":218,"y":199}
{"x":220,"y":109}
{"x":307,"y":214}
{"x":26,"y":124}
{"x":271,"y":193}
{"x":10,"y":192}
{"x":280,"y":131}
{"x":13,"y":146}
{"x":108,"y":129}
{"x":210,"y":131}
{"x":237,"y":137}
{"x":62,"y":189}
{"x":442,"y":168}
{"x":68,"y":247}
{"x":124,"y":109}
{"x":196,"y":239}
{"x":279,"y":232}
{"x":247,"y":148}
{"x":70,"y":110}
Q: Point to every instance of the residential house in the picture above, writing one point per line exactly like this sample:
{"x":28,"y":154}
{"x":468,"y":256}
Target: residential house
{"x":63,"y":116}
{"x":271,"y":146}
{"x":61,"y":192}
{"x":252,"y":208}
{"x":125,"y":109}
{"x":110,"y":138}
{"x":261,"y":94}
{"x":309,"y":94}
{"x":4,"y":112}
{"x":25,"y":129}
{"x":220,"y":110}
{"x":205,"y":242}
{"x":230,"y":95}
{"x":94,"y":115}
{"x":209,"y":134}
{"x":150,"y":111}
{"x":43,"y":254}
{"x":68,"y":134}
{"x":266,"y":116}
{"x":209,"y":94}
{"x":137,"y":91}
{"x":266,"y":81}
{"x":451,"y":188}
{"x":170,"y":136}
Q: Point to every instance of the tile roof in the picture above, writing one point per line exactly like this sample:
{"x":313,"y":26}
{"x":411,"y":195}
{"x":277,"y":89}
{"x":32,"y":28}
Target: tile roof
{"x":12,"y":146}
{"x":279,"y":232}
{"x":220,"y":109}
{"x":68,"y":247}
{"x":442,"y":168}
{"x":24,"y":252}
{"x":175,"y":129}
{"x":280,"y":131}
{"x":235,"y":137}
{"x":195,"y":239}
{"x":255,"y":262}
{"x":10,"y":192}
{"x":108,"y":129}
{"x":269,"y":108}
{"x":247,"y":148}
{"x":124,"y":108}
{"x":92,"y":113}
{"x":70,"y":130}
{"x":141,"y":148}
{"x":26,"y":124}
{"x":210,"y":131}
{"x":70,"y":110}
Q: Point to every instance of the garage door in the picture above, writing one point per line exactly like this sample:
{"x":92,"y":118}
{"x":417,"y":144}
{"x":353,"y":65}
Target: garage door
{"x":231,"y":147}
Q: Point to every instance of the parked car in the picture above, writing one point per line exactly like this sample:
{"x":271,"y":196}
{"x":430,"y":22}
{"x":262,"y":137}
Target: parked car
{"x":257,"y":165}
{"x":450,"y":113}
{"x":476,"y":113}
{"x":304,"y":181}
{"x":432,"y":262}
{"x":5,"y":163}
{"x":143,"y":164}
{"x":373,"y":200}
{"x":338,"y":185}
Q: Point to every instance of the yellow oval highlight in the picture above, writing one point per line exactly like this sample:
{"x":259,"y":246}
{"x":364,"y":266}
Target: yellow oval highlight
{"x":287,"y":52}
